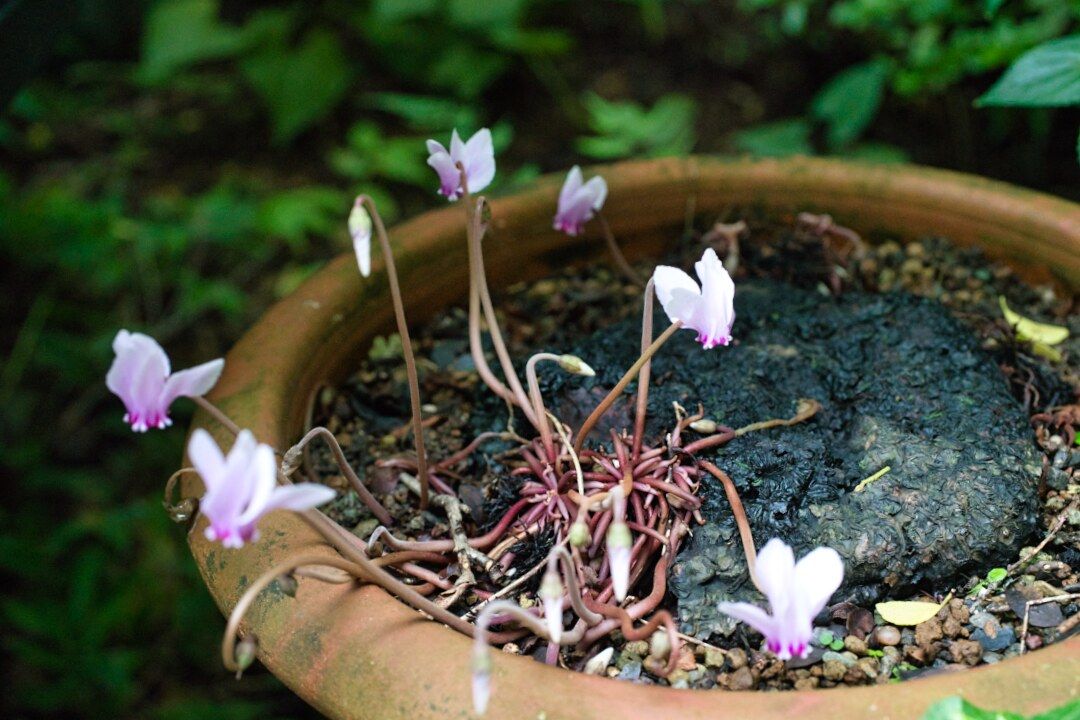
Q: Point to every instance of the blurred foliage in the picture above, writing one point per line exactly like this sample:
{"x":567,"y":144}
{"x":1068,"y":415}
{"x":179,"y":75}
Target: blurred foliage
{"x":173,"y":166}
{"x":956,"y":708}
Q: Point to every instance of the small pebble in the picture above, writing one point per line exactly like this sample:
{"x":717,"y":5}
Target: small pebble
{"x":630,"y":671}
{"x":855,"y":645}
{"x":834,"y":670}
{"x":968,"y":652}
{"x":887,"y":635}
{"x":741,"y":679}
{"x":995,"y":639}
{"x":845,"y":659}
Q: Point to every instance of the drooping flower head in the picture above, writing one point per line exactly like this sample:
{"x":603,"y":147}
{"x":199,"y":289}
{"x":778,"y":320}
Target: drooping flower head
{"x":242,"y":486}
{"x":360,"y":232}
{"x":140,"y":376}
{"x":578,"y":201}
{"x":709,"y":308}
{"x":551,"y":592}
{"x":619,"y":543}
{"x":481,"y":677}
{"x":477,"y":157}
{"x":796,"y":592}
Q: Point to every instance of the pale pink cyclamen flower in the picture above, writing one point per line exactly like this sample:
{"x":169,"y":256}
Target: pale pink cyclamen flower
{"x":477,"y":157}
{"x":797,"y":592}
{"x":360,"y":232}
{"x":578,"y":201}
{"x":140,"y":376}
{"x":708,"y":309}
{"x":242,"y":486}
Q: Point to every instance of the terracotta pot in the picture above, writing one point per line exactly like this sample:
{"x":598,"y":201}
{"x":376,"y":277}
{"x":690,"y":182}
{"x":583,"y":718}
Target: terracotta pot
{"x":358,"y":653}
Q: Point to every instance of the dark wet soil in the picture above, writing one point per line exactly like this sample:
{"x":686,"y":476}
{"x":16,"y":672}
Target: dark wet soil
{"x":914,"y":370}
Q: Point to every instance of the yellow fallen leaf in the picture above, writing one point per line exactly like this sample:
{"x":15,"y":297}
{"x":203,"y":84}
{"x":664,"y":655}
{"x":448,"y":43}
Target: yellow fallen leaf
{"x":907,"y":612}
{"x":1044,"y":350}
{"x":1035,"y":332}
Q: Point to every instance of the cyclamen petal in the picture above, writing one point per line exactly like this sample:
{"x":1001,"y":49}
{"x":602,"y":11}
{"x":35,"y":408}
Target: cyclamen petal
{"x":709,"y":308}
{"x":241,"y":487}
{"x":578,"y":201}
{"x":477,"y":158}
{"x":140,"y":377}
{"x":796,"y":591}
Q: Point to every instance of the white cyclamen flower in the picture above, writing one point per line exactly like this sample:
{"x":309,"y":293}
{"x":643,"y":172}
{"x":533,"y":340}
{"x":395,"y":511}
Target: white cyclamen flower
{"x":709,"y":308}
{"x":797,"y":592}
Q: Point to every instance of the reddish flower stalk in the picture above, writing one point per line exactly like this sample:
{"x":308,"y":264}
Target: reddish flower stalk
{"x":406,"y":346}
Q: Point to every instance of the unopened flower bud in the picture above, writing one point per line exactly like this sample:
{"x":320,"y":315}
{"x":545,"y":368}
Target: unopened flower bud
{"x":579,"y":534}
{"x":288,"y":584}
{"x":619,"y":543}
{"x":659,"y":644}
{"x":245,"y":654}
{"x":551,"y":592}
{"x":574,"y":364}
{"x":182,"y":511}
{"x":360,"y":232}
{"x":481,"y":677}
{"x":705,"y":426}
{"x":598,"y":663}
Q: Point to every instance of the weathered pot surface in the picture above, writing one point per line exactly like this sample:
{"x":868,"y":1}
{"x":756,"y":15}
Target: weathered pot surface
{"x":355,"y":652}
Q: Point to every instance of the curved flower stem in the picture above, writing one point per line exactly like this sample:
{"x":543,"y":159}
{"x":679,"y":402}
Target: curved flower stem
{"x":378,"y":576}
{"x":406,"y":348}
{"x":474,"y":228}
{"x":185,"y":508}
{"x":609,"y":400}
{"x":740,"y":515}
{"x":643,"y":379}
{"x":538,"y":401}
{"x":285,"y":567}
{"x":526,"y":619}
{"x":560,"y":555}
{"x":564,"y":436}
{"x":366,"y":497}
{"x":216,"y":413}
{"x":616,"y":254}
{"x":661,"y":617}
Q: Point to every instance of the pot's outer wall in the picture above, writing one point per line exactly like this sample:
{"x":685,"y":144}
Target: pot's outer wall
{"x":358,"y":653}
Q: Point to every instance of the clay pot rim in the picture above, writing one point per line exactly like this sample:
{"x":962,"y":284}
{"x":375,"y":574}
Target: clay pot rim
{"x":358,"y":656}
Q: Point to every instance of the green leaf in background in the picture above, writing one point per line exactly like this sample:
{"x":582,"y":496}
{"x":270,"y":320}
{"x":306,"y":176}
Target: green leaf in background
{"x":1047,"y":76}
{"x":180,"y":33}
{"x":297,"y":214}
{"x":876,"y":152}
{"x":992,"y":7}
{"x":849,"y":102}
{"x":422,"y":112}
{"x":956,"y":708}
{"x":625,"y":128}
{"x":776,"y":139}
{"x":300,"y":85}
